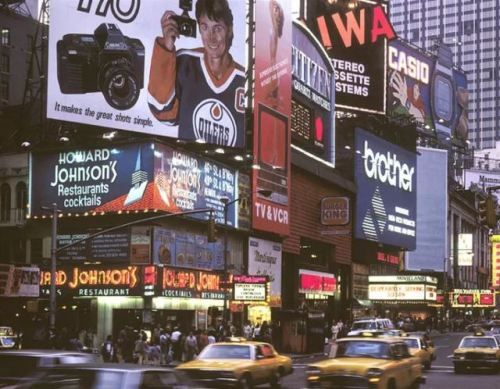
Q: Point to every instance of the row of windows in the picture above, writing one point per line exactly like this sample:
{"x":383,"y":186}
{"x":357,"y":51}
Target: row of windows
{"x":6,"y":201}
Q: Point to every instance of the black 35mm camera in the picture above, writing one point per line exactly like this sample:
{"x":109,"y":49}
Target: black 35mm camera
{"x":187,"y":26}
{"x":107,"y":61}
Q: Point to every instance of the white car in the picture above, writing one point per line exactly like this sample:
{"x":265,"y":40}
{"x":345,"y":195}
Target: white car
{"x":370,"y":325}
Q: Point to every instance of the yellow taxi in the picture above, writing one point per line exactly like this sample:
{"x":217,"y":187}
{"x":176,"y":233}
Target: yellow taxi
{"x":367,"y":361}
{"x":477,"y":351}
{"x":238,"y":364}
{"x":420,"y":348}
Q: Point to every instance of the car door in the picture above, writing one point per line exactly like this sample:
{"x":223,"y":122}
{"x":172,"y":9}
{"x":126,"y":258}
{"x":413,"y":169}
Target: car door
{"x":402,"y":367}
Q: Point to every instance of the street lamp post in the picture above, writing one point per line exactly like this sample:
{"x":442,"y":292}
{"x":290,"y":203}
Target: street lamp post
{"x":226,"y":202}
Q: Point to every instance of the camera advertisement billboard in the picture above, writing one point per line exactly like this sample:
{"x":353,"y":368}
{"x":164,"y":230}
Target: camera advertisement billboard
{"x":147,"y":176}
{"x":150,"y":67}
{"x":356,"y":41}
{"x":409,"y":82}
{"x":432,"y":211}
{"x":386,"y":205}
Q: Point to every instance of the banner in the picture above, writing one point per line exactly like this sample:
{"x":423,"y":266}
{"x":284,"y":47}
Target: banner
{"x":272,"y":105}
{"x":128,"y":178}
{"x":120,"y":65}
{"x":386,"y":207}
{"x":264,"y":259}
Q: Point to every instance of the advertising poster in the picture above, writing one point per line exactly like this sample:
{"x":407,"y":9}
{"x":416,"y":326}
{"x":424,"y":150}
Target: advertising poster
{"x":356,"y":41}
{"x":495,"y":261}
{"x":19,"y":281}
{"x":317,"y":283}
{"x":432,"y":211}
{"x":185,"y":249}
{"x":128,"y":178}
{"x":481,"y":178}
{"x":264,"y":259}
{"x":150,"y":67}
{"x":409,"y":82}
{"x":112,"y":246}
{"x":473,"y":298}
{"x":386,"y":207}
{"x":271,"y":138}
{"x":313,"y":94}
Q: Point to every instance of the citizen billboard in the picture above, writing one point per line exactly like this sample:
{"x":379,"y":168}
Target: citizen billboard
{"x":141,"y":177}
{"x":147,"y":67}
{"x":356,"y":41}
{"x":386,"y":202}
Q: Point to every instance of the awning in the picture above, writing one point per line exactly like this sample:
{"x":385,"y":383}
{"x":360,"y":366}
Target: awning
{"x":361,"y":304}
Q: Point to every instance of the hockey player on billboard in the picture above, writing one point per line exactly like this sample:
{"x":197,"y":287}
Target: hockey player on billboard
{"x":201,"y":90}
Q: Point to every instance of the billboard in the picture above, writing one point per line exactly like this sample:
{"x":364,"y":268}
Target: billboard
{"x":189,"y":284}
{"x":145,"y":176}
{"x":432,"y":211}
{"x":401,"y":288}
{"x":472,"y":298}
{"x":313,"y":94}
{"x":409,"y":82}
{"x":264,"y":259}
{"x":19,"y":281}
{"x":144,"y":67}
{"x":356,"y":40}
{"x":386,"y":206}
{"x":481,"y":178}
{"x":317,"y":283}
{"x":250,"y":288}
{"x":495,"y":261}
{"x":272,"y":105}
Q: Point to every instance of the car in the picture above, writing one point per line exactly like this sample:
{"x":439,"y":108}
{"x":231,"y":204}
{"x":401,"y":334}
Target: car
{"x":367,"y":361}
{"x":8,"y":339}
{"x":238,"y":364}
{"x":16,"y":365}
{"x":477,"y":351}
{"x":107,"y":375}
{"x":370,"y":324}
{"x":420,"y":348}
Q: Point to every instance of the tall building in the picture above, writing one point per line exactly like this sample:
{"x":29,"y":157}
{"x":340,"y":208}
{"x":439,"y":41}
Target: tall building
{"x":470,"y":29}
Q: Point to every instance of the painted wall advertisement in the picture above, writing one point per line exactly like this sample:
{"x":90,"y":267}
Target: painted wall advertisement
{"x":264,"y":259}
{"x":122,"y":65}
{"x":386,"y":207}
{"x":495,"y":261}
{"x":272,"y":105}
{"x":130,"y":177}
{"x":432,"y":211}
{"x":356,"y":41}
{"x":313,"y":94}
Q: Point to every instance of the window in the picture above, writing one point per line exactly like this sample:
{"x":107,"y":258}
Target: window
{"x":5,"y":64}
{"x":5,"y":36}
{"x":4,"y":90}
{"x":5,"y":202}
{"x":21,"y":200}
{"x":314,"y":252}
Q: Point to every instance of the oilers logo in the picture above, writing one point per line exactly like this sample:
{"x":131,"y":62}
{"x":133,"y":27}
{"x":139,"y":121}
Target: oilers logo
{"x":214,"y":123}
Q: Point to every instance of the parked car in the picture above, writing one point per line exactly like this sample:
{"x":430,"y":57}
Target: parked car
{"x":8,"y":338}
{"x":238,"y":364}
{"x":107,"y":376}
{"x":16,"y":365}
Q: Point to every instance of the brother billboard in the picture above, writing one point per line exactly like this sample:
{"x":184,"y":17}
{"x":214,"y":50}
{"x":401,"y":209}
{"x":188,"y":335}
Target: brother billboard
{"x":432,"y":211}
{"x":121,"y":66}
{"x":128,"y":178}
{"x":386,"y":200}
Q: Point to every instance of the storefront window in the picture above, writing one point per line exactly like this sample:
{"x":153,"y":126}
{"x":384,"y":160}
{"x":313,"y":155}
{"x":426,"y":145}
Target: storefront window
{"x":314,"y":252}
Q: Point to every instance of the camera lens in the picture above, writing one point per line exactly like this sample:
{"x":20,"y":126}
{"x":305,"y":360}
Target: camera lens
{"x":185,"y":29}
{"x":119,"y":87}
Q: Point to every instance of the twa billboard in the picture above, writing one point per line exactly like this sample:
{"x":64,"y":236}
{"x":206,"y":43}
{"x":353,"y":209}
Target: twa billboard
{"x":355,"y":35}
{"x":272,"y":106}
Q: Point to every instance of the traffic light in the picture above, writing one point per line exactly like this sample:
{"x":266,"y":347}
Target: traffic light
{"x":211,"y":232}
{"x":487,"y":212}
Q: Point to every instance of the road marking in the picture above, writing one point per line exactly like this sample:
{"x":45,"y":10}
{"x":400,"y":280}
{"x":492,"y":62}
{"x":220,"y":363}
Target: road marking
{"x":442,"y":366}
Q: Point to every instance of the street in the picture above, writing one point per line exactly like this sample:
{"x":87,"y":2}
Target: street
{"x":440,"y":376}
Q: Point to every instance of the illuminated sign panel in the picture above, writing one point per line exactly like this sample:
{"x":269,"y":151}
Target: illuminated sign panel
{"x":480,"y":298}
{"x":190,"y":284}
{"x":386,"y":207}
{"x":495,"y":261}
{"x":356,"y":41}
{"x":250,"y":288}
{"x":401,"y":288}
{"x":335,"y":211}
{"x":319,"y":283}
{"x":108,"y":67}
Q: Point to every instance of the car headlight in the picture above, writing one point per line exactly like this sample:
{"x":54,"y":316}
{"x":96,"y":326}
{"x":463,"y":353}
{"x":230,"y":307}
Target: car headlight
{"x":374,"y":375}
{"x":313,"y":373}
{"x":459,"y":356}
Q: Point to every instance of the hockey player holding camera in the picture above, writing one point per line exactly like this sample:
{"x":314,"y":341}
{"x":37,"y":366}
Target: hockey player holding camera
{"x":200,"y":90}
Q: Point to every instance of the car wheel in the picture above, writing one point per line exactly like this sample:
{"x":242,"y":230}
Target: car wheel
{"x":276,"y":380}
{"x":245,"y":382}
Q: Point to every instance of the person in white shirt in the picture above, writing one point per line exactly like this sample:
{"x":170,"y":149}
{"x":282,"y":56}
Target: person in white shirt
{"x":176,"y":344}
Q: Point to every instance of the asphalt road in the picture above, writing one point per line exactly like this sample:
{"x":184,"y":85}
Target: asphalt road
{"x":440,"y":376}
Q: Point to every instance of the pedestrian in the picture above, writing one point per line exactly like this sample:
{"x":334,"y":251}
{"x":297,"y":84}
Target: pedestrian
{"x":248,"y":331}
{"x":190,"y":347}
{"x":211,"y":338}
{"x":335,"y":331}
{"x":139,"y":349}
{"x":108,"y":349}
{"x":165,"y":347}
{"x":175,"y":340}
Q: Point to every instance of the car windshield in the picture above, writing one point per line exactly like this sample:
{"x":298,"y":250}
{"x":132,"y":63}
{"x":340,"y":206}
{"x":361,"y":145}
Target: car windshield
{"x":360,"y":348}
{"x":17,"y":365}
{"x":478,"y":342}
{"x":77,"y":379}
{"x":411,"y":343}
{"x":6,"y":331}
{"x":224,"y":351}
{"x":364,"y":325}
